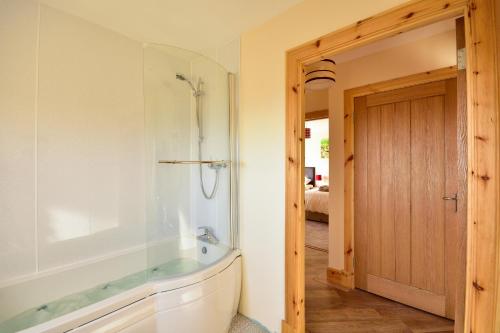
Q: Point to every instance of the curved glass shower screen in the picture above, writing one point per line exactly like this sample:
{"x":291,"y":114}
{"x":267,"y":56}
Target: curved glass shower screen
{"x":189,"y":160}
{"x":93,"y":250}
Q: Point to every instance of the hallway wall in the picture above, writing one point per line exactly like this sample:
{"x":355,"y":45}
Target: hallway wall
{"x":262,"y":143}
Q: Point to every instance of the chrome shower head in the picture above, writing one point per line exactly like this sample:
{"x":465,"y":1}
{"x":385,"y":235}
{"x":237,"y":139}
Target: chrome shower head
{"x":181,"y":77}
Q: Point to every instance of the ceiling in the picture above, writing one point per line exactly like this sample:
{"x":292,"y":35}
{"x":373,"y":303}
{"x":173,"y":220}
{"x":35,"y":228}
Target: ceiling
{"x":404,"y":38}
{"x":193,"y":24}
{"x":318,"y":99}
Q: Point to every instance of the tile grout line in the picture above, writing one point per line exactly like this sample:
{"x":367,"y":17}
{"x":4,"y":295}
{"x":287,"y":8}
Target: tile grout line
{"x":37,"y":53}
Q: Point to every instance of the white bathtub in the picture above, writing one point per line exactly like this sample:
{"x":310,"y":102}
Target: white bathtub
{"x":204,"y":301}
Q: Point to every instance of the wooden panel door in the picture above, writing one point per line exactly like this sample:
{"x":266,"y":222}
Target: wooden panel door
{"x":405,"y":175}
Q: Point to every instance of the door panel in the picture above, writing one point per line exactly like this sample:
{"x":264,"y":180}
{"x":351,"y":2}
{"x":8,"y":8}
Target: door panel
{"x":427,"y":190}
{"x":402,"y":211}
{"x":404,"y":165}
{"x":360,"y":190}
{"x":387,"y":198}
{"x":452,"y":212}
{"x":373,"y":194}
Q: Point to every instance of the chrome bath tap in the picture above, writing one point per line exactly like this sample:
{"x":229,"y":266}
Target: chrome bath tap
{"x":206,"y":234}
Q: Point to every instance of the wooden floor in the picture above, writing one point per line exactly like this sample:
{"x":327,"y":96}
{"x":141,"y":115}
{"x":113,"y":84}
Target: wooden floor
{"x":317,"y":235}
{"x":331,"y":310}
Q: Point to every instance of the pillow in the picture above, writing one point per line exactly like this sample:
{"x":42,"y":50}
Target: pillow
{"x":309,"y":186}
{"x":306,"y":180}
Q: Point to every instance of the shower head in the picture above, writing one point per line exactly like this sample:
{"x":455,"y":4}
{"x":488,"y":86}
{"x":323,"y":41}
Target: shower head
{"x":181,"y":77}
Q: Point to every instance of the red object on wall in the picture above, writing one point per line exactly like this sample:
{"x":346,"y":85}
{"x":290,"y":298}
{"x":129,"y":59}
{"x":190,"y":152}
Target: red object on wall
{"x":308,"y":133}
{"x":319,"y":177}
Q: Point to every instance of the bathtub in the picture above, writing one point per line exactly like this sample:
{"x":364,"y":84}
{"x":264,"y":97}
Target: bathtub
{"x":203,"y":301}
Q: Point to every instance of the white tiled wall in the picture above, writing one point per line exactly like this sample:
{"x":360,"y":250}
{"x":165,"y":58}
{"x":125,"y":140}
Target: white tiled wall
{"x":168,"y":120}
{"x":176,"y":206}
{"x":18,"y":40}
{"x":74,"y":146}
{"x":215,"y":146}
{"x":90,"y":141}
{"x":79,"y":144}
{"x":71,"y":141}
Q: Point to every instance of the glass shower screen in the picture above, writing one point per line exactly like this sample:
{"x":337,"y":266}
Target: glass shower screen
{"x":189,"y":160}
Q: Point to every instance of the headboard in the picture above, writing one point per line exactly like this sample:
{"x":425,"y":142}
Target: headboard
{"x":310,"y":172}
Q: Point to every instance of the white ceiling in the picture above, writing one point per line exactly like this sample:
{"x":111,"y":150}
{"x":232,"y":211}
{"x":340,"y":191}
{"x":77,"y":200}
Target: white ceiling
{"x":318,"y":99}
{"x":192,"y":24}
{"x":388,"y":43}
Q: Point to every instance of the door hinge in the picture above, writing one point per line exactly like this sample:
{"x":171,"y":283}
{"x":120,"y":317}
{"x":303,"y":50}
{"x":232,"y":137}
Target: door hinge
{"x":461,"y":59}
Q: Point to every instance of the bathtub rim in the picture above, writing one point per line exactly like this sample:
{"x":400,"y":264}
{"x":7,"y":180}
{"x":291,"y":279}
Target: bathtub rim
{"x":105,"y":307}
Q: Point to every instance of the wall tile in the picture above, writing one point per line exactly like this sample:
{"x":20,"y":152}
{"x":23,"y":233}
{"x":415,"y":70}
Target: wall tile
{"x":91,"y":141}
{"x":18,"y":40}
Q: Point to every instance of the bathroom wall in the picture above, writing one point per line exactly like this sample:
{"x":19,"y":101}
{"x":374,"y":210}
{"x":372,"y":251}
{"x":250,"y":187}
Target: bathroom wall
{"x":167,"y":118}
{"x":262,"y":145}
{"x":214,"y":108}
{"x":176,"y":206}
{"x":71,"y":142}
{"x":90,"y":149}
{"x":18,"y":65}
{"x":76,"y":145}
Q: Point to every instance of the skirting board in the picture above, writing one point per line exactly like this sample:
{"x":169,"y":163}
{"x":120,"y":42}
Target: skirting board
{"x":340,"y":278}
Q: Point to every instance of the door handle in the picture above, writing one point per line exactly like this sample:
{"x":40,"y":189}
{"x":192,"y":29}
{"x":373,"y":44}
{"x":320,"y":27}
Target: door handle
{"x":455,"y":198}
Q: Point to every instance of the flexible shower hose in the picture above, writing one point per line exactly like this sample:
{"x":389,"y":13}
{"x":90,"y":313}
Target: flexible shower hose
{"x":214,"y":189}
{"x":200,"y":142}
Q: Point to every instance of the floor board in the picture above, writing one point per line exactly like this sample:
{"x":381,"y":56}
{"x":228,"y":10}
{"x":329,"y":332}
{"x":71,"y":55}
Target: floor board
{"x":332,"y":310}
{"x":317,"y":235}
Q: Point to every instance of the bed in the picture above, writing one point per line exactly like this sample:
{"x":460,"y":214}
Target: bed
{"x":316,"y":201}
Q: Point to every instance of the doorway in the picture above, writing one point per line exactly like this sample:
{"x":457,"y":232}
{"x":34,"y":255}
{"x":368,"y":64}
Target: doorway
{"x":389,"y":142}
{"x":484,"y":202}
{"x":317,"y":170}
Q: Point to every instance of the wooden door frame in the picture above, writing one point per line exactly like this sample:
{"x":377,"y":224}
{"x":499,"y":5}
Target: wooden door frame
{"x":483,"y":252}
{"x":317,"y":115}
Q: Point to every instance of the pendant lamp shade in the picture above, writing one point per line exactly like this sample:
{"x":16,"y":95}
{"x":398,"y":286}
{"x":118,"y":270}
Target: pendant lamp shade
{"x":320,"y":75}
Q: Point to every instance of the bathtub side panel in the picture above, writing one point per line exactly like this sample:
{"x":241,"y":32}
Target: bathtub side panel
{"x":209,"y":308}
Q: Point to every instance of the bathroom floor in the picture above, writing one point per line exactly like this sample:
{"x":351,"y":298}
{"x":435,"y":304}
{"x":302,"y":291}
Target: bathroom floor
{"x":329,"y":309}
{"x":242,"y":324}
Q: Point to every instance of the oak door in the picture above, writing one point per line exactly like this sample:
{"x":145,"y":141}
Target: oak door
{"x":405,"y":183}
